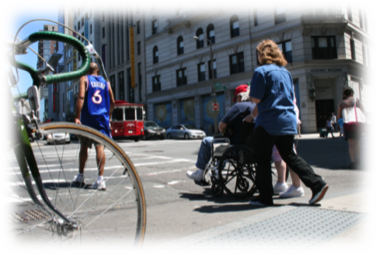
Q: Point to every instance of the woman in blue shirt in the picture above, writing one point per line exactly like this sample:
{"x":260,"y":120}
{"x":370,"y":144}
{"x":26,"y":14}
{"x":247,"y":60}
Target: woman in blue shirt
{"x":272,"y":89}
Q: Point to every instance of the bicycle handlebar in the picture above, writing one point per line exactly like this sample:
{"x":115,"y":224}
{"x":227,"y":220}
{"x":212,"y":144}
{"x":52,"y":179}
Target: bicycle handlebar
{"x":61,"y":77}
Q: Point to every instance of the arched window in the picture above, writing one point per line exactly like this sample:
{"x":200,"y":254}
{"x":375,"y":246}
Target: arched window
{"x":180,"y":48}
{"x":211,"y":33}
{"x":234,"y":26}
{"x":200,"y":41}
{"x":155,"y":54}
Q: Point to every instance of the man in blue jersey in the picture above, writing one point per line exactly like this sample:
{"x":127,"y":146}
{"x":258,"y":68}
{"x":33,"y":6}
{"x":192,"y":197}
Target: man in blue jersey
{"x":94,"y":106}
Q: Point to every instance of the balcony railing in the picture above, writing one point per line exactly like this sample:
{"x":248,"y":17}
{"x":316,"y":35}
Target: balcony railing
{"x":322,"y":18}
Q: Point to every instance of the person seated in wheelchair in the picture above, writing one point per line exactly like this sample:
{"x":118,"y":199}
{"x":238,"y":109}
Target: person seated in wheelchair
{"x":237,"y":125}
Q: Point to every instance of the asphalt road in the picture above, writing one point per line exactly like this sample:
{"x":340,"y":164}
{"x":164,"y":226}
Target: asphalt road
{"x":177,"y":208}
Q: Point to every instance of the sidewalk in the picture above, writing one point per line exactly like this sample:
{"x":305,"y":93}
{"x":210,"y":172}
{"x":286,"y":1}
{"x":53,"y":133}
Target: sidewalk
{"x":343,"y":223}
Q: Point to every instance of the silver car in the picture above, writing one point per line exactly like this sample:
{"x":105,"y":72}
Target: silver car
{"x":185,"y":132}
{"x":58,"y":138}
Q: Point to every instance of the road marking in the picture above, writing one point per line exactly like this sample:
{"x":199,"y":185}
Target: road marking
{"x":168,"y":172}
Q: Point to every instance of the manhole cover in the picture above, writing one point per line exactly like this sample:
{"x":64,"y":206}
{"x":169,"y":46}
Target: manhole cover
{"x":30,"y":215}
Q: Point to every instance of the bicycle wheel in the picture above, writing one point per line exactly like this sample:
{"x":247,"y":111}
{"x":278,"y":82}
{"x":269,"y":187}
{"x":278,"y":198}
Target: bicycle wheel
{"x":117,"y":214}
{"x":237,"y":171}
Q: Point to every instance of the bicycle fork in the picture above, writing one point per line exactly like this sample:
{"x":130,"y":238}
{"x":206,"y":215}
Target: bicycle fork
{"x":23,"y":152}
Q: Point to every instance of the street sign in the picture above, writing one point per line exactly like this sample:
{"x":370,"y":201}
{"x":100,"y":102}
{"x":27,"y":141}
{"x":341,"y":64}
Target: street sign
{"x":219,"y":87}
{"x":215,"y":106}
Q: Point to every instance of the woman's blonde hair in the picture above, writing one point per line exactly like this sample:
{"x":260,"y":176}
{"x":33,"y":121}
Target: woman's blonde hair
{"x":270,"y":53}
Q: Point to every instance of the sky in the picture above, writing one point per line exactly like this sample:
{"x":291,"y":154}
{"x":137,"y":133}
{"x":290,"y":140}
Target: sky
{"x":19,"y":19}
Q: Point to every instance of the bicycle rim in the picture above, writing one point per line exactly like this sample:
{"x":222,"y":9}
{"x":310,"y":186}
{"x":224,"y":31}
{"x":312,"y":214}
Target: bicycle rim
{"x":115,"y":215}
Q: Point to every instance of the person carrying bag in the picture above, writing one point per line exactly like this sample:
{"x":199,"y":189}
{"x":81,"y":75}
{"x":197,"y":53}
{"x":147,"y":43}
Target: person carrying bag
{"x":354,"y":121}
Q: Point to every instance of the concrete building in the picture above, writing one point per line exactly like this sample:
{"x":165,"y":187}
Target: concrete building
{"x":46,"y":49}
{"x":122,"y":50}
{"x":85,"y":22}
{"x":327,"y":50}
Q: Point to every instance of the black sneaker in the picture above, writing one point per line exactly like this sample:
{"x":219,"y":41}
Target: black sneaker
{"x":352,"y":165}
{"x":319,"y":195}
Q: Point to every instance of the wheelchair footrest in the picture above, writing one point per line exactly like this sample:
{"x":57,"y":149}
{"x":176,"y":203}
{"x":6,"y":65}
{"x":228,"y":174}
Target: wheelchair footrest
{"x":202,"y":183}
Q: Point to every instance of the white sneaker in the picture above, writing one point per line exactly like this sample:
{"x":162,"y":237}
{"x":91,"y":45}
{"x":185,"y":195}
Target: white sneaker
{"x":196,"y":176}
{"x":79,"y":179}
{"x":293,"y":192}
{"x":100,"y":185}
{"x":280,"y":187}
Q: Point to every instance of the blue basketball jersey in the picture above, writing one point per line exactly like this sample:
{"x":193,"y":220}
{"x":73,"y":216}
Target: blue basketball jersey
{"x":96,"y":108}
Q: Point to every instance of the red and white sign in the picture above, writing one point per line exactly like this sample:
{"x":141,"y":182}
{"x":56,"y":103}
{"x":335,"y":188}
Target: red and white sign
{"x":215,"y":106}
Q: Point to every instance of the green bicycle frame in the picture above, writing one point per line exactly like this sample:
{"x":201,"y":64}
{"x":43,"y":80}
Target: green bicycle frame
{"x":23,"y":151}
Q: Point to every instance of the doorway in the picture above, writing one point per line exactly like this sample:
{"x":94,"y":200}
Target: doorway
{"x":323,"y":110}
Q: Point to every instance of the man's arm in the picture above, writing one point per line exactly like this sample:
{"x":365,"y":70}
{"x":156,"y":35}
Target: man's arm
{"x":80,"y":99}
{"x":222,"y":126}
{"x":112,"y":101}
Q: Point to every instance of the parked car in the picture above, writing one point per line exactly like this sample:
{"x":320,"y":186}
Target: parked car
{"x":184,"y":131}
{"x":151,"y":129}
{"x":58,"y":138}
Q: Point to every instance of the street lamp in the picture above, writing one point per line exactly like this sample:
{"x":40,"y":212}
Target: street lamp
{"x":213,"y":80}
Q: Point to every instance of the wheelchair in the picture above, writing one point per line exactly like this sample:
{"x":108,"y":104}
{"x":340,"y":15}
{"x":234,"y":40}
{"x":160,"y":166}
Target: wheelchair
{"x":231,"y":168}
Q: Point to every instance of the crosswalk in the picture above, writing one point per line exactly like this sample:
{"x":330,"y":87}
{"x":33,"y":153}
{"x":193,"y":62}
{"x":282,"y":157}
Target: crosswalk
{"x":52,"y":163}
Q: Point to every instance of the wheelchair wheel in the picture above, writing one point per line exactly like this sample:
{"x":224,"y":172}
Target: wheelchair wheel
{"x":237,"y":171}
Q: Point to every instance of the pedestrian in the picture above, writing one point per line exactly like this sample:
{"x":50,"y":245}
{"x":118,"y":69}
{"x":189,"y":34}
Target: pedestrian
{"x":334,"y":122}
{"x":237,"y":120}
{"x":272,"y":89}
{"x":352,"y":130}
{"x":340,"y":124}
{"x":329,"y":127}
{"x":94,"y":106}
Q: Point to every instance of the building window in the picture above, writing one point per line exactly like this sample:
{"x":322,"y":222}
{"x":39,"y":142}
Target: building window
{"x":139,"y":71}
{"x":179,"y":10}
{"x":138,"y":27}
{"x":121,"y":85}
{"x":349,"y":13}
{"x":155,"y":55}
{"x":323,"y":47}
{"x":180,"y":48}
{"x":138,"y":48}
{"x":210,"y":69}
{"x":78,"y":25}
{"x":103,"y":32}
{"x":112,"y":84}
{"x":319,"y":10}
{"x":75,"y":29}
{"x":364,"y":48}
{"x":361,"y":19}
{"x":234,"y":26}
{"x":91,"y":29}
{"x":353,"y":50}
{"x":366,"y":20}
{"x":181,"y":77}
{"x":211,"y":33}
{"x":156,"y":83}
{"x":255,"y":18}
{"x":200,"y":41}
{"x":82,"y":21}
{"x":279,"y":15}
{"x":201,"y":72}
{"x":286,"y":49}
{"x":154,"y":27}
{"x":236,"y":63}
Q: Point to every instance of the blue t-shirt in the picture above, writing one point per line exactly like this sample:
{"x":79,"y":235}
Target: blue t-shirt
{"x":273,"y":86}
{"x":233,"y":119}
{"x":96,"y":108}
{"x":340,"y":122}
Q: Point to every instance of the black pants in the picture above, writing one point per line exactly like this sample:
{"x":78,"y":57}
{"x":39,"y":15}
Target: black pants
{"x":263,"y":144}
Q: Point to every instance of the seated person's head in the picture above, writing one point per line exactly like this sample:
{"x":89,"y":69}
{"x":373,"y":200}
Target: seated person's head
{"x":242,"y":93}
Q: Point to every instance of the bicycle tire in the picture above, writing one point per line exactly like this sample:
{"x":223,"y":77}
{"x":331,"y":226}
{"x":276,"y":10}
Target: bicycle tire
{"x":237,"y":171}
{"x":116,"y":214}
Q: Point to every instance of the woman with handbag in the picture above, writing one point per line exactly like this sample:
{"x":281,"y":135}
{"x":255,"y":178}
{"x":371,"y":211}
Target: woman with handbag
{"x":351,"y":110}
